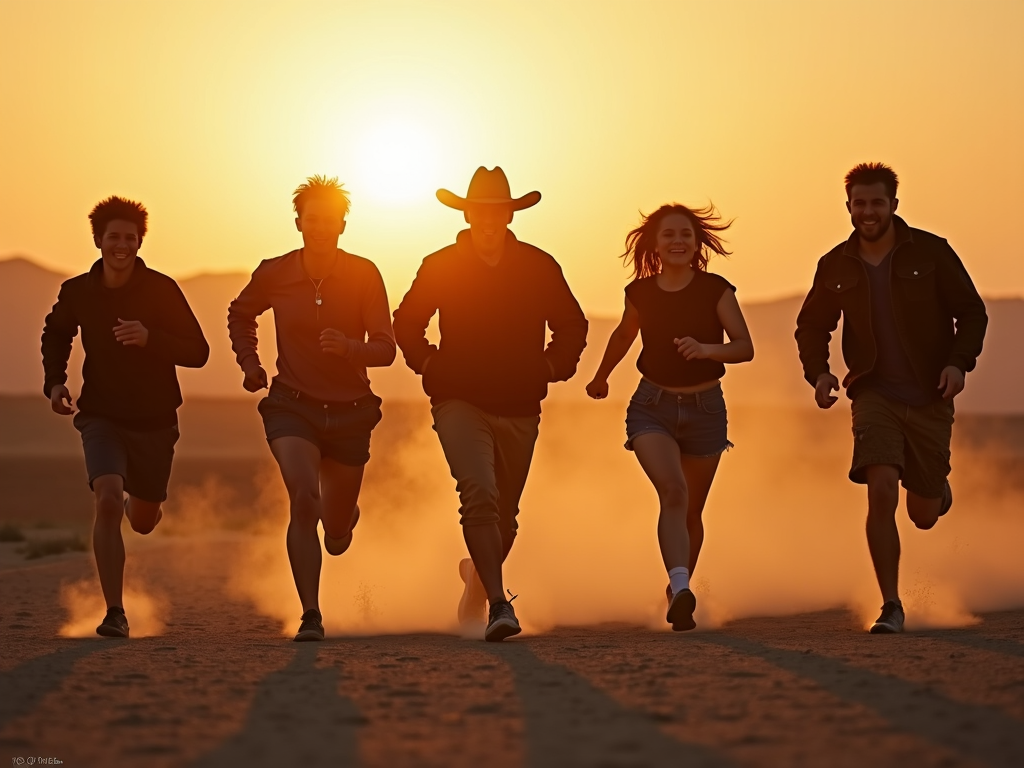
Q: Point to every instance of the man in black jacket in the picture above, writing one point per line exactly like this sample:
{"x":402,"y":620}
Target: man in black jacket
{"x":495,"y":296}
{"x":913,"y":326}
{"x":136,"y":327}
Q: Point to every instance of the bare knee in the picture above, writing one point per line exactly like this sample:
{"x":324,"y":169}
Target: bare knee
{"x":883,"y":491}
{"x":672,"y":496}
{"x":305,"y":506}
{"x":109,"y":504}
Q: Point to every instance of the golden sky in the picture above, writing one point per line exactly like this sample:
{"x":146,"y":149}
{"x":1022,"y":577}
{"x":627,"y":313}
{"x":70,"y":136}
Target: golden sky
{"x":211,"y":112}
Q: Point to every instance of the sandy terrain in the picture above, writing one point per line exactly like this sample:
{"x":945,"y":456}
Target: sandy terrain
{"x":220,"y":686}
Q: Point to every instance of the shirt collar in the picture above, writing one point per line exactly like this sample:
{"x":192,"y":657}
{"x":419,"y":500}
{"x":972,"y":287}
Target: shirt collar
{"x":903,"y":235}
{"x":96,"y":273}
{"x":464,"y":242}
{"x":294,"y":272}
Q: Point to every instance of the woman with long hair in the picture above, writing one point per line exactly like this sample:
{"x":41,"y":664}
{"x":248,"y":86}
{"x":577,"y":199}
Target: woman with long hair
{"x":676,"y":420}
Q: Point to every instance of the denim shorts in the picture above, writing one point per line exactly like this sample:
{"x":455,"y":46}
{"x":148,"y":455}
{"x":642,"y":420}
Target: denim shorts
{"x":697,"y":421}
{"x":142,"y":459}
{"x":341,"y":431}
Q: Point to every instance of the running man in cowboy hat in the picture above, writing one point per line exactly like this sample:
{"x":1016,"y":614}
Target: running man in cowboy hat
{"x":489,"y":373}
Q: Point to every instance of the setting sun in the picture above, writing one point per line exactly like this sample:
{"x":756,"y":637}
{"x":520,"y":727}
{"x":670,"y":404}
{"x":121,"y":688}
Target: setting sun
{"x":396,"y":161}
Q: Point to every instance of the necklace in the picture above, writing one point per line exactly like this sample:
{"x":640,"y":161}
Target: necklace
{"x":317,"y":283}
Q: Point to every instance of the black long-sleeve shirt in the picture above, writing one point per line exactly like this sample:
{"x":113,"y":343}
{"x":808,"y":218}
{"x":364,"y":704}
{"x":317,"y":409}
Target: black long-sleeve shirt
{"x":492,"y":322}
{"x":133,"y":386}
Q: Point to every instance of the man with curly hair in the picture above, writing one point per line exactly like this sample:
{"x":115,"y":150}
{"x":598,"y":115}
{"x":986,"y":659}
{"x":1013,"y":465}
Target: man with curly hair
{"x":136,"y":328}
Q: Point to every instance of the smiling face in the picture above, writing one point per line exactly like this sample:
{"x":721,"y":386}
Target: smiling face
{"x":676,"y":241}
{"x":871,"y":210}
{"x":120,"y":245}
{"x":488,"y":224}
{"x":321,"y":224}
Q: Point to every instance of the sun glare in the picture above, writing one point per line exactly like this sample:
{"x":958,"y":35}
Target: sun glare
{"x":397,"y":162}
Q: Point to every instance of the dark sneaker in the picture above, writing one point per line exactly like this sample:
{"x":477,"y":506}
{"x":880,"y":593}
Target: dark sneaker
{"x":947,"y":499}
{"x":338,"y":546}
{"x":680,"y":609}
{"x":501,"y":623}
{"x":311,"y":628}
{"x":114,"y":624}
{"x":891,"y":620}
{"x":473,"y":603}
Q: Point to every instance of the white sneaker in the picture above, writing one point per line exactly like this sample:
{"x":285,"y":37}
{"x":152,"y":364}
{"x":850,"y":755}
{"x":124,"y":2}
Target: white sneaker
{"x":891,"y":620}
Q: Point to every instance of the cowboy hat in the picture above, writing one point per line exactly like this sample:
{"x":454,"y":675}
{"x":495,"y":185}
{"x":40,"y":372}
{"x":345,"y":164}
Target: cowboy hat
{"x":488,"y":187}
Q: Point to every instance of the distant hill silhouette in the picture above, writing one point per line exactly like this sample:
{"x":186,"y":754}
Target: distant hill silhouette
{"x":773,"y":379}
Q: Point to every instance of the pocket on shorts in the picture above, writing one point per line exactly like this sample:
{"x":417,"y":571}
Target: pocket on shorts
{"x":712,"y":402}
{"x":645,"y":394}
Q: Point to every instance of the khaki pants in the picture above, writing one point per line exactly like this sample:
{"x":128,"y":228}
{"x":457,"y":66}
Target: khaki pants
{"x":489,"y":457}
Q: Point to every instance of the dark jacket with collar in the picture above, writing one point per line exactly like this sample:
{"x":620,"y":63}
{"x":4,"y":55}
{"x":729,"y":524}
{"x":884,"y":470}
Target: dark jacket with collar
{"x":133,"y":386}
{"x":940,"y":316}
{"x":493,"y":322}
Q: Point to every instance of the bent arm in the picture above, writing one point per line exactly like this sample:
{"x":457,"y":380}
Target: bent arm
{"x":968,"y":310}
{"x":252,"y":302}
{"x":568,"y":330}
{"x":412,"y":317}
{"x":619,"y":342}
{"x":181,"y":342}
{"x":379,"y":348}
{"x":818,"y":318}
{"x":739,"y":349}
{"x":59,"y":331}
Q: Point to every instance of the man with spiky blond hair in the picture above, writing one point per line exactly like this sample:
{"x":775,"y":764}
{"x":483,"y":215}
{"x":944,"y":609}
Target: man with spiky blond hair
{"x":333,"y":322}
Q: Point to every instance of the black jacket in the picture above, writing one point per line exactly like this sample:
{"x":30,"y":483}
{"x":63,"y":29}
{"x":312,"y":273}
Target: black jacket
{"x":134,"y":386}
{"x":493,"y":322}
{"x":940,"y":316}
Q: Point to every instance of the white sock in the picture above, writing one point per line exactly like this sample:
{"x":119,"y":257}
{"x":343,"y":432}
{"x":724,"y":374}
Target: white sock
{"x":679,"y":579}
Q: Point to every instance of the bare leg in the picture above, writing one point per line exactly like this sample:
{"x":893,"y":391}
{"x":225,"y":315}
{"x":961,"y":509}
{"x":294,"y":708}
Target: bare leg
{"x":339,"y":486}
{"x":143,"y":515}
{"x":659,"y":457}
{"x":699,"y":472}
{"x":924,"y":512}
{"x":485,"y":548}
{"x":107,"y":544}
{"x":883,"y":537}
{"x":300,"y":467}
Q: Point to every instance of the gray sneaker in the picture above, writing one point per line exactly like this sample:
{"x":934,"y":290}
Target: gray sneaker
{"x":114,"y":624}
{"x":501,"y":622}
{"x":891,"y":620}
{"x":312,"y":627}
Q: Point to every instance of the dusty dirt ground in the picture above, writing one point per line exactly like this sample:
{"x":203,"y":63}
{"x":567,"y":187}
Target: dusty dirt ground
{"x":220,"y":686}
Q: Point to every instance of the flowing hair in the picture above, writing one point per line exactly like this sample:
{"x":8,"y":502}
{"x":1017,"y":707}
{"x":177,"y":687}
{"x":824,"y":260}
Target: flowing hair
{"x":641,"y":243}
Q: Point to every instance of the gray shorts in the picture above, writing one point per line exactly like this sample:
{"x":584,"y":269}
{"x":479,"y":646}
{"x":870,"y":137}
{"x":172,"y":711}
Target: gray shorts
{"x":142,"y":459}
{"x":697,"y":421}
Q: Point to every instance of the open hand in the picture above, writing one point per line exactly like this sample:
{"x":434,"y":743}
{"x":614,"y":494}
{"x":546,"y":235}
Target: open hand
{"x":255,"y":378}
{"x":59,"y":395}
{"x":131,"y":333}
{"x":951,"y":382}
{"x":827,"y":383}
{"x":598,"y":389}
{"x":334,"y":342}
{"x":691,"y":349}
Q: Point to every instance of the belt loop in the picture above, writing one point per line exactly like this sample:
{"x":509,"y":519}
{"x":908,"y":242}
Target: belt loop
{"x":657,"y":395}
{"x":697,"y":398}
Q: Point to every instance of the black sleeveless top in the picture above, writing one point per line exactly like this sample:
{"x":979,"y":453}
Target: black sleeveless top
{"x":667,"y":315}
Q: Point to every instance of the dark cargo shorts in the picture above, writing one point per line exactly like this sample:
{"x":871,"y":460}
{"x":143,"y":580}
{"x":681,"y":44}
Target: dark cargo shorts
{"x":340,"y":430}
{"x":141,"y":458}
{"x":915,"y":439}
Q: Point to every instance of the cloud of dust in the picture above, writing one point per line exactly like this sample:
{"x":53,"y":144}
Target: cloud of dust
{"x":784,"y":533}
{"x":83,"y":601}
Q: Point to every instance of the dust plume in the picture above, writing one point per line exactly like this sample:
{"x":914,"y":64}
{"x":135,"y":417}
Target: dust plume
{"x":784,"y":531}
{"x":83,"y":601}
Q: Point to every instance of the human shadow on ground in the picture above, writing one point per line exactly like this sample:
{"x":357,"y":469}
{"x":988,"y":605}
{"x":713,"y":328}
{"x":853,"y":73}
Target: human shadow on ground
{"x":297,"y":717}
{"x":569,"y":722}
{"x":976,"y":732}
{"x":25,"y":686}
{"x":972,"y":638}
